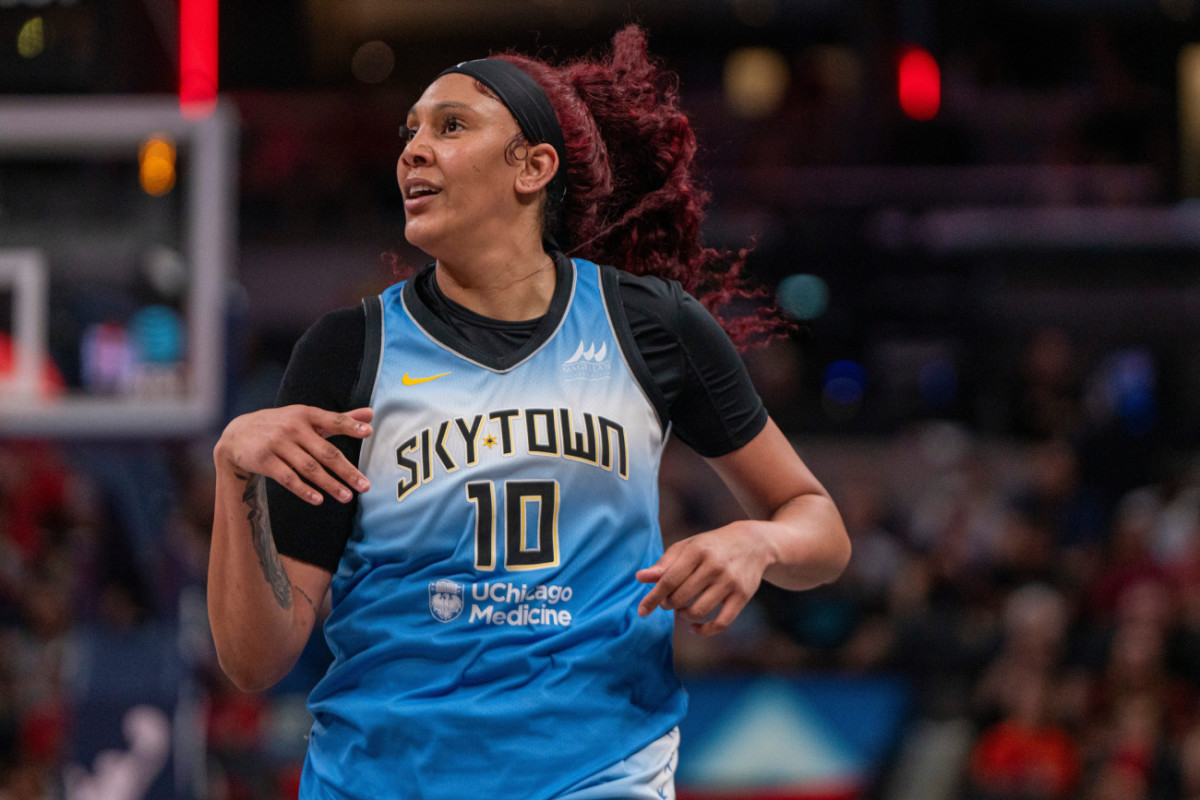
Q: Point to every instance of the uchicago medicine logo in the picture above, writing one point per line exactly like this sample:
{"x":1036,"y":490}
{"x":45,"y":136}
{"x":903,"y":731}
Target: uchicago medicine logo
{"x":445,"y":600}
{"x":501,"y":603}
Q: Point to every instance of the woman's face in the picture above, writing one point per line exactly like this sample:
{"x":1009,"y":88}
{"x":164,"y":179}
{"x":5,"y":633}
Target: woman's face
{"x":456,"y":182}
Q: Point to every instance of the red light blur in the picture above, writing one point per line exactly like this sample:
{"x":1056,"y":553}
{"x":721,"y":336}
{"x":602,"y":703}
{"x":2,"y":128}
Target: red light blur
{"x":919,"y":84}
{"x":197,"y":57}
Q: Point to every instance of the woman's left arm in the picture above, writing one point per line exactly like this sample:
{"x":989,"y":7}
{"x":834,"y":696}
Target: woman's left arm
{"x":794,"y":538}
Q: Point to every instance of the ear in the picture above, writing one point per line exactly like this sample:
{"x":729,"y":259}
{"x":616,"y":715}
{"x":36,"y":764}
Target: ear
{"x":537,"y":169}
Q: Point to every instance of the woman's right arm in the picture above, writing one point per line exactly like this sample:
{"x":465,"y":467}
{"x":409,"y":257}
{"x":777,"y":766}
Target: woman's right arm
{"x":262,"y":606}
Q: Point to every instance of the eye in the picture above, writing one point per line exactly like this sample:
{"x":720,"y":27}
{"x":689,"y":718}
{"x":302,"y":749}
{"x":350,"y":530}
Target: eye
{"x":406,"y":134}
{"x":452,"y":124}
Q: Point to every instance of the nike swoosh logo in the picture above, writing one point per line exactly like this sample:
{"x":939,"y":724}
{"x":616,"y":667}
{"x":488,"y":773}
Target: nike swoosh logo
{"x":407,"y":381}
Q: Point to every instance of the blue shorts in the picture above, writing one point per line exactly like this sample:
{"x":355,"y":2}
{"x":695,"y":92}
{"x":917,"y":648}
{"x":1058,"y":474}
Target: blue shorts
{"x":648,"y":774}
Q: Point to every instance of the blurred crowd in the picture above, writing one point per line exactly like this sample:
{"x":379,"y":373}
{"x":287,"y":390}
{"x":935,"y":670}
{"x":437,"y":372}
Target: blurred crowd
{"x":104,"y":646}
{"x":1038,"y":591}
{"x":1052,"y":646}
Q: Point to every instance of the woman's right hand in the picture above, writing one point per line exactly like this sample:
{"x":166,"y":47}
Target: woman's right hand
{"x":290,"y":445}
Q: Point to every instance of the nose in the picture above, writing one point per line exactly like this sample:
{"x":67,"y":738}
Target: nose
{"x":416,"y":152}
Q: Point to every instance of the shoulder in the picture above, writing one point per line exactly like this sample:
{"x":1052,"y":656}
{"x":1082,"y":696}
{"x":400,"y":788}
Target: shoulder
{"x":342,"y":325}
{"x":692,"y":367}
{"x":649,"y":302}
{"x":644,"y":289}
{"x":662,"y":306}
{"x":660,"y":313}
{"x":335,"y":336}
{"x":325,"y":360}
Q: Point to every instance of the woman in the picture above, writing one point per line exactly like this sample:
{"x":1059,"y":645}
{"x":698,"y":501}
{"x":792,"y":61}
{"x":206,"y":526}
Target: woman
{"x":487,"y":528}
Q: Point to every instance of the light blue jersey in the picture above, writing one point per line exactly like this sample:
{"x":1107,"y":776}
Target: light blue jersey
{"x":485,"y":627}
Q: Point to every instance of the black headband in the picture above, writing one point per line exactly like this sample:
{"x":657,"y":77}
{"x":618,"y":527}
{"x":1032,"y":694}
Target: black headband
{"x":530,"y":107}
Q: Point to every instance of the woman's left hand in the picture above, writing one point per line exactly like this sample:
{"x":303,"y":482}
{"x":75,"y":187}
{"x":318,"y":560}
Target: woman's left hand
{"x":719,"y":569}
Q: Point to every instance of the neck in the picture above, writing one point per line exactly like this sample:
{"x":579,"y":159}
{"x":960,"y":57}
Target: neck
{"x":508,"y":284}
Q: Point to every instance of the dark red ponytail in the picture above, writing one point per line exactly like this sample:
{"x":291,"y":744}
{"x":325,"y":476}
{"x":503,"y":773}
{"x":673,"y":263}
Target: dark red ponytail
{"x":632,"y":199}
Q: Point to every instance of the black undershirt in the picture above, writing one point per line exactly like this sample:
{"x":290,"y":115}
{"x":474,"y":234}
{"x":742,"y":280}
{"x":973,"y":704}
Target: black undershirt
{"x":496,"y":336}
{"x":712,"y":405}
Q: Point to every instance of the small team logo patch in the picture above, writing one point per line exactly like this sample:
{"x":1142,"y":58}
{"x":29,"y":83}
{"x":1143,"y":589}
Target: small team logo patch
{"x":588,"y":364}
{"x":445,"y":600}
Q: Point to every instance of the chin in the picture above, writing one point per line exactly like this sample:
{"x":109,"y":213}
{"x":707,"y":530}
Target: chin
{"x":419,"y":236}
{"x":435,"y":240}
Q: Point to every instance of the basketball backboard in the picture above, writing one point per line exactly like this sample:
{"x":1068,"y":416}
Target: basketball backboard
{"x":77,"y":231}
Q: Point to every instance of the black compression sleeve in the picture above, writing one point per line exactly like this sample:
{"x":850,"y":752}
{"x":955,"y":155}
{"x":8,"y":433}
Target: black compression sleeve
{"x":322,"y":372}
{"x":713,"y":405}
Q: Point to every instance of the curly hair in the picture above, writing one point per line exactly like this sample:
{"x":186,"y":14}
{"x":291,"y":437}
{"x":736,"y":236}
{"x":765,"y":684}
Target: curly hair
{"x":633,"y":199}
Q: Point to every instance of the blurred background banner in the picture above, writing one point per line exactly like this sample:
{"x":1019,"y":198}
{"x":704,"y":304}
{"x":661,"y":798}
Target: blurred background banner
{"x":983,"y":217}
{"x":812,"y":738}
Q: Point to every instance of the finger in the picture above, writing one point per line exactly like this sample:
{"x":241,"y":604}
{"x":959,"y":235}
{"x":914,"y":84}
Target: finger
{"x":335,"y":461}
{"x":282,"y":473}
{"x":669,"y":581}
{"x":656,"y":570}
{"x":730,"y":608}
{"x":335,"y":423}
{"x":364,"y":414}
{"x":650,"y":574}
{"x":663,"y":586}
{"x":692,"y":586}
{"x":705,"y":603}
{"x":306,"y":465}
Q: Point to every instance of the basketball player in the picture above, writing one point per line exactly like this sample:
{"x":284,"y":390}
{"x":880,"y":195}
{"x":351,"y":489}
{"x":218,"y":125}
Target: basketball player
{"x":502,"y":608}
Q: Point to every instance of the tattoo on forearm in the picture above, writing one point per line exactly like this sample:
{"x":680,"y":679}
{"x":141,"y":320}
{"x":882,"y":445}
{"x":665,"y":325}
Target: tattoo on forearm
{"x":304,"y":594}
{"x":255,"y":497}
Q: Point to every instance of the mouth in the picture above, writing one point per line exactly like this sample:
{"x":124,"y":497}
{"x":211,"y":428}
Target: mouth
{"x":416,"y":190}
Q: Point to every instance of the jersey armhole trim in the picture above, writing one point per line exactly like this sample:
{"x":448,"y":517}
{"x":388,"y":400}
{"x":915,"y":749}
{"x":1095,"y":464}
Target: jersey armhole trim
{"x":368,"y":371}
{"x":610,"y":290}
